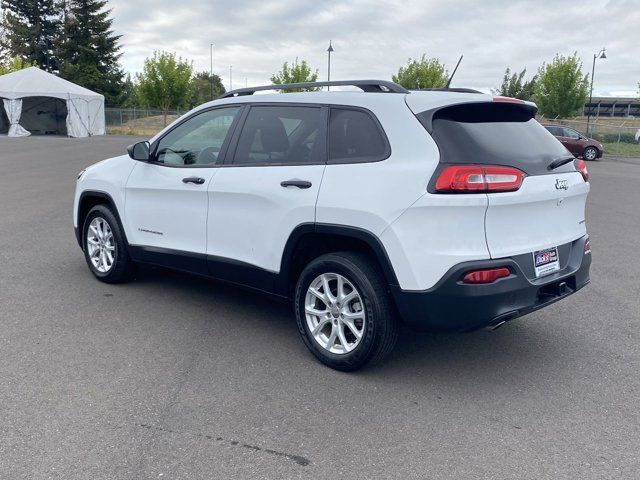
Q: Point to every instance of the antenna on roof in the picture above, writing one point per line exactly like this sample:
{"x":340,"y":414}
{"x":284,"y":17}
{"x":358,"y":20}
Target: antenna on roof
{"x":454,"y":72}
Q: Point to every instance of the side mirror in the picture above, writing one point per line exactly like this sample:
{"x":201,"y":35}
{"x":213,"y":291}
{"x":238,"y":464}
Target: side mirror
{"x":139,"y":151}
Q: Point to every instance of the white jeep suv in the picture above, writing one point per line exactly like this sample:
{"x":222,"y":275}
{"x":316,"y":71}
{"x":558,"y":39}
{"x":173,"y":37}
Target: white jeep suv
{"x":449,"y":210}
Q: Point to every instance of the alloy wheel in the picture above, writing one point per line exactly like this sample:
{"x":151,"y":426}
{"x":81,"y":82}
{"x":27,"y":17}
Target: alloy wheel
{"x":334,"y":313}
{"x":101,"y":246}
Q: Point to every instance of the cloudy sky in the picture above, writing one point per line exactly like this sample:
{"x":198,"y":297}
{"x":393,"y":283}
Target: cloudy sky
{"x":372,"y":38}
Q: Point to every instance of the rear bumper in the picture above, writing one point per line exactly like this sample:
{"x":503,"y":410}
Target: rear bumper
{"x":454,"y":306}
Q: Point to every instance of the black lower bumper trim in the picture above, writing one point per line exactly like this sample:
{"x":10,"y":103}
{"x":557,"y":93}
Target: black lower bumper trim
{"x":452,"y":305}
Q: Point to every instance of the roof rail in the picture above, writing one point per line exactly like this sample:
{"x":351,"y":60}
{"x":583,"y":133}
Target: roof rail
{"x":365,"y":85}
{"x":445,"y":89}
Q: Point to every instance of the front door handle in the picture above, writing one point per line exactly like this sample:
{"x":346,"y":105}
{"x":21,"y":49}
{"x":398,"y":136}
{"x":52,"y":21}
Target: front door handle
{"x":296,"y":183}
{"x":196,"y":180}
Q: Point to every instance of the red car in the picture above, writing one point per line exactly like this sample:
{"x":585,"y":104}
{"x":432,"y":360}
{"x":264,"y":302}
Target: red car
{"x":577,"y":143}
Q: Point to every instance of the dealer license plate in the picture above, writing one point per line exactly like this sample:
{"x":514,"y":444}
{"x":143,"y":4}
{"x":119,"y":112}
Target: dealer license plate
{"x":546,"y":261}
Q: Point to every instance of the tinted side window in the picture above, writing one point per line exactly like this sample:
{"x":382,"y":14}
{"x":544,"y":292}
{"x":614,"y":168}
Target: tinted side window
{"x":198,"y":140}
{"x":354,"y":136}
{"x":555,"y":131}
{"x":571,"y":133}
{"x":281,"y":135}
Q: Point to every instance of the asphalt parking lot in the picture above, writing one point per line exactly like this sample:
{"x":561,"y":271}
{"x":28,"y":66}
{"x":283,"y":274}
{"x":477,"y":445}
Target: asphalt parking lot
{"x":174,"y":376}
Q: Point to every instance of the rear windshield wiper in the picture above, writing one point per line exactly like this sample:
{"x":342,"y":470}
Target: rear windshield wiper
{"x":558,"y":162}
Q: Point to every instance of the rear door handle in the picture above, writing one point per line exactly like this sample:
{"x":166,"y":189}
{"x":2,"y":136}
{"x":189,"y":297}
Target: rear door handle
{"x":296,"y":183}
{"x":196,"y":180}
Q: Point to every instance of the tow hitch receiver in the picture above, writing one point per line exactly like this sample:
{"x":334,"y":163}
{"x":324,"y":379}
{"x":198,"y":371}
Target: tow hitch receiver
{"x":557,"y":289}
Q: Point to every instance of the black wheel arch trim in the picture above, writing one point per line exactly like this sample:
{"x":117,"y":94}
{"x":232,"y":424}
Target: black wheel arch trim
{"x":369,"y":238}
{"x":109,"y":200}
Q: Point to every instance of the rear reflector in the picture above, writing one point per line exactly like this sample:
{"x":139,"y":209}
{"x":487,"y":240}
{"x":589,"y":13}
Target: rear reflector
{"x":486,"y":276}
{"x":478,"y":179}
{"x":582,"y":168}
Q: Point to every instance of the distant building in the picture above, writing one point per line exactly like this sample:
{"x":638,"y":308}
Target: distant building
{"x":612,"y":107}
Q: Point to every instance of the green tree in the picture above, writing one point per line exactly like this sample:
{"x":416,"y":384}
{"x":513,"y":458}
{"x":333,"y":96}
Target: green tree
{"x":129,"y":93}
{"x":89,"y":51}
{"x":165,"y":82}
{"x":561,"y":89}
{"x":30,"y":29}
{"x":514,"y":85}
{"x":12,"y":65}
{"x":423,"y":73}
{"x":202,"y":91}
{"x":299,"y":72}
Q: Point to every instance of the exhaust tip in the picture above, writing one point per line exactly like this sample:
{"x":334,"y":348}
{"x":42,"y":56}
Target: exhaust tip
{"x":495,"y":326}
{"x":501,"y":320}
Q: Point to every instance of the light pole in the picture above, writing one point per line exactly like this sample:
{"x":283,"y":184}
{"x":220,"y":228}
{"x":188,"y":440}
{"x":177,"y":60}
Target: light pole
{"x":329,"y":50}
{"x":211,"y":69}
{"x":230,"y":77}
{"x":602,"y":55}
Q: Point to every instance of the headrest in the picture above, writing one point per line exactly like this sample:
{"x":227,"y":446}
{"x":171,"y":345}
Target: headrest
{"x":273,"y":135}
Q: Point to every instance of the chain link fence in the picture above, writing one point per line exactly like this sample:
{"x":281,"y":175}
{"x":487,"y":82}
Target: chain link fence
{"x":138,"y":121}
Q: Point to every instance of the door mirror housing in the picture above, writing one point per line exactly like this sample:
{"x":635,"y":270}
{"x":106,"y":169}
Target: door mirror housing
{"x":140,"y":151}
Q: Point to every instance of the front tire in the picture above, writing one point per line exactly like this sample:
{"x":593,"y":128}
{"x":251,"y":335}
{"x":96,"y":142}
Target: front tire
{"x":590,"y":153}
{"x":104,"y":246}
{"x":344,"y":311}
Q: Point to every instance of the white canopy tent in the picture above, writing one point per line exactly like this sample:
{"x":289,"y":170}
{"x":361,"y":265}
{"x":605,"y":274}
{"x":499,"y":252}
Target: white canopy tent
{"x":37,"y":101}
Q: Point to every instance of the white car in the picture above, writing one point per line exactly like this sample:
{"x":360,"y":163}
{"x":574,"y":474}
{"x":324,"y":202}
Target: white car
{"x":448,"y":210}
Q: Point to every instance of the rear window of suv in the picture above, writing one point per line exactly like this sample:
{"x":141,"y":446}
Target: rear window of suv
{"x":354,"y":137}
{"x":494,"y":133}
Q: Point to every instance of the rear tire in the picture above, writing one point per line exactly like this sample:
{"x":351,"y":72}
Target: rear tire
{"x":105,"y":249}
{"x":354,"y":324}
{"x":590,"y":153}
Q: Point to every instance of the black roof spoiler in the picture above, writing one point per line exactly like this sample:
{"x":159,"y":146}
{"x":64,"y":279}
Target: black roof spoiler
{"x":426,"y":117}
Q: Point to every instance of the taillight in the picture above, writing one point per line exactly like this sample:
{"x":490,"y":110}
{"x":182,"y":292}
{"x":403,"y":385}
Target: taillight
{"x":478,"y":179}
{"x":587,"y":247}
{"x":582,"y":168}
{"x":485,"y":276}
